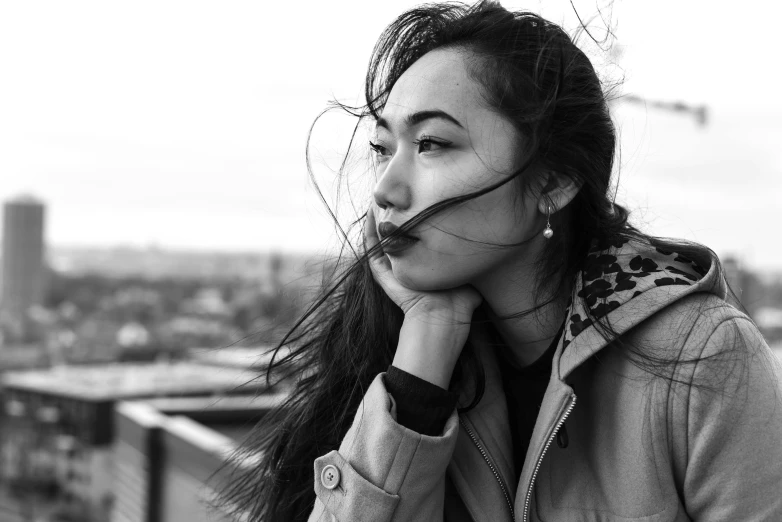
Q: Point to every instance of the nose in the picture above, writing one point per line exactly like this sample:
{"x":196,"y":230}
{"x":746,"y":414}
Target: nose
{"x":392,"y":189}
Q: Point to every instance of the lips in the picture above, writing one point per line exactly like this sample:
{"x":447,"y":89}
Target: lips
{"x":397,"y":243}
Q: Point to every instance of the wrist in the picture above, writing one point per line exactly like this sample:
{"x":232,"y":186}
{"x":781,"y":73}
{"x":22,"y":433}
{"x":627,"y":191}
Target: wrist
{"x":429,"y":348}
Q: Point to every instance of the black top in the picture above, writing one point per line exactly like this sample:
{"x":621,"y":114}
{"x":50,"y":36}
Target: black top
{"x":420,"y":405}
{"x":524,"y":391}
{"x":424,"y":407}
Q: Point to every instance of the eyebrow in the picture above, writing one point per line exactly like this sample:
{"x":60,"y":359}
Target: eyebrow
{"x":416,"y":118}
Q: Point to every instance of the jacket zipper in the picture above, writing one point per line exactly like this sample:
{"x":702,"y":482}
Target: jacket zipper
{"x":540,"y":459}
{"x":491,"y":466}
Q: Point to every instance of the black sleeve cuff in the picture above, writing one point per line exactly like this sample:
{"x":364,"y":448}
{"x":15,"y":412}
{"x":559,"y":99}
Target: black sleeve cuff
{"x":420,"y":405}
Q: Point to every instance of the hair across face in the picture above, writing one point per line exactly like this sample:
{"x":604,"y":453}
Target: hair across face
{"x":551,"y":114}
{"x":437,"y":139}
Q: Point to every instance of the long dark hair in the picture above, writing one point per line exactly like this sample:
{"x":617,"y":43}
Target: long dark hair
{"x":530,"y":71}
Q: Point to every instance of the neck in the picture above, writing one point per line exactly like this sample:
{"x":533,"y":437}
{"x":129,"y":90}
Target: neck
{"x":509,"y":290}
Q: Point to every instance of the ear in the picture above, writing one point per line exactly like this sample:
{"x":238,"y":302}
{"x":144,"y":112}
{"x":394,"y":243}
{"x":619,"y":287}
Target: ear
{"x":558,"y":191}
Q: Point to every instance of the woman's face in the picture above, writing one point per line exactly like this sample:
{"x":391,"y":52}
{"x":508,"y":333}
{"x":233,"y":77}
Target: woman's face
{"x":437,"y":139}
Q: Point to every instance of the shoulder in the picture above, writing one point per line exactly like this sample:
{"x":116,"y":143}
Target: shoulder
{"x":718,"y":407}
{"x":708,"y":350}
{"x":694,"y":323}
{"x":698,"y":341}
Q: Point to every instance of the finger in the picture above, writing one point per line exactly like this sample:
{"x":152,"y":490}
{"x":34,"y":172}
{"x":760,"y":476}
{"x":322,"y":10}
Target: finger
{"x":371,"y":241}
{"x":378,"y":262}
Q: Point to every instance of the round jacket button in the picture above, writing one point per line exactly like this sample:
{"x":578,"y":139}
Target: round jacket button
{"x":329,"y":477}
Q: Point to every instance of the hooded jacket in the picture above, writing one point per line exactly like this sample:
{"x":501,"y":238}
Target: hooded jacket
{"x":691,"y":431}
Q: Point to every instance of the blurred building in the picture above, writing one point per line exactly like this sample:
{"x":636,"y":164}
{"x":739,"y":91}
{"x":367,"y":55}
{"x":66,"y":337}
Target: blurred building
{"x":740,"y":282}
{"x":57,"y":429}
{"x":769,"y":321}
{"x":23,"y":276}
{"x":23,"y":357}
{"x":171,"y":455}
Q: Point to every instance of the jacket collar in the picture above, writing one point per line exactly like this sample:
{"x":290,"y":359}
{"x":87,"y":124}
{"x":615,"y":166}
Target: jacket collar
{"x":625,"y":283}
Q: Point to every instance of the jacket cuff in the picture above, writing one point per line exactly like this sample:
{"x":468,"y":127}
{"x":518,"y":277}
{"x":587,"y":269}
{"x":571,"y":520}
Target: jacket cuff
{"x":380,"y":462}
{"x":365,"y":498}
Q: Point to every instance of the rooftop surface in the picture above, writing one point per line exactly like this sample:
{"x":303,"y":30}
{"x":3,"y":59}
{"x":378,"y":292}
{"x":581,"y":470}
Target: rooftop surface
{"x":256,"y":357}
{"x":186,"y":405}
{"x":231,"y":416}
{"x":128,"y":381}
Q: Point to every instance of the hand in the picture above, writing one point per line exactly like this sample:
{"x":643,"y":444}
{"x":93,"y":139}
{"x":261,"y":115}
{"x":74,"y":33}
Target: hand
{"x":457,"y":303}
{"x":436,"y":323}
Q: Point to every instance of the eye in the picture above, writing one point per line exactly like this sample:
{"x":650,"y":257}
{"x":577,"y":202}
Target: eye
{"x":379,"y":150}
{"x":429,"y":144}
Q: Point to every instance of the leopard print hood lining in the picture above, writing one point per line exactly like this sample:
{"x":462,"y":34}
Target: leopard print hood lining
{"x":638,"y":278}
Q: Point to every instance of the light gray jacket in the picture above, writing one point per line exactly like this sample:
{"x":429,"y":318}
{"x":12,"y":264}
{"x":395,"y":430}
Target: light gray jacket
{"x":638,"y":447}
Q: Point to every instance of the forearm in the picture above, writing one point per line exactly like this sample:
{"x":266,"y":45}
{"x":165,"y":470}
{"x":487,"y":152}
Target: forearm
{"x":429,"y":346}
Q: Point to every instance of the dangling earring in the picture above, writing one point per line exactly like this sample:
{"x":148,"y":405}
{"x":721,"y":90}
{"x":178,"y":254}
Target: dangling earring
{"x":548,"y":232}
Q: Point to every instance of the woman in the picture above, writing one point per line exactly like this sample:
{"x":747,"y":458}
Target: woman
{"x":508,"y":347}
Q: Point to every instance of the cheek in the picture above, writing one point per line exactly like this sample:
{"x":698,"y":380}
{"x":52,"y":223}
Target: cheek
{"x":462,"y":245}
{"x":429,"y":270}
{"x":497,"y":218}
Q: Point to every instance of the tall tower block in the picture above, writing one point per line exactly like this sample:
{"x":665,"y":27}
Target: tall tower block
{"x":23,"y":278}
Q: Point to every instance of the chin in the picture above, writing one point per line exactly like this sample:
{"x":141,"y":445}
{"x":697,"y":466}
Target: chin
{"x":425,"y":277}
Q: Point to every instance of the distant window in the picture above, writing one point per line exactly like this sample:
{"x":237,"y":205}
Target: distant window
{"x":15,"y":408}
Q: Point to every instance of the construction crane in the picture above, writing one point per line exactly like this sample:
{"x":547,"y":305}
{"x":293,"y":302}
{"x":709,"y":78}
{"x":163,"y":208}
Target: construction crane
{"x":699,"y":112}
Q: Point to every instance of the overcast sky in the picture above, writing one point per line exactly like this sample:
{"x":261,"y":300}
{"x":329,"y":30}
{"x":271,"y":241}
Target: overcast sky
{"x":183,"y":123}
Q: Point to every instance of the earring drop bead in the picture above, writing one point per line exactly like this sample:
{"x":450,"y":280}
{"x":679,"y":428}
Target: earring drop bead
{"x":548,"y":233}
